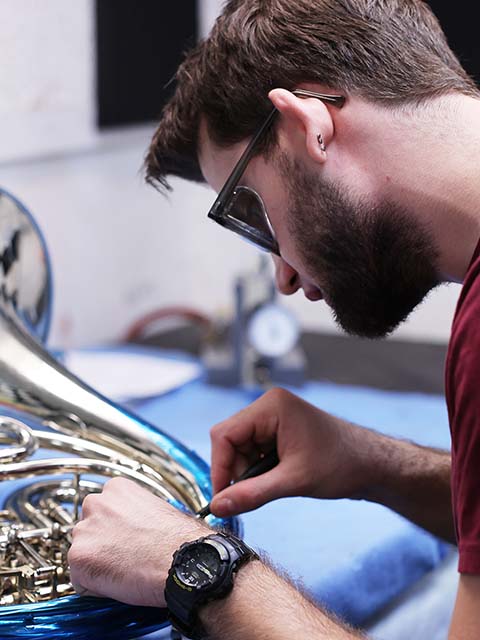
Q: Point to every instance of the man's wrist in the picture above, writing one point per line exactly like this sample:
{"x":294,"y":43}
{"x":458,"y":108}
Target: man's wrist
{"x":228,"y":608}
{"x":219,"y":556}
{"x":190,"y":531}
{"x":263,"y":604}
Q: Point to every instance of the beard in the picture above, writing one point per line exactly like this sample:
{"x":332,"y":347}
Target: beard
{"x":374,"y":263}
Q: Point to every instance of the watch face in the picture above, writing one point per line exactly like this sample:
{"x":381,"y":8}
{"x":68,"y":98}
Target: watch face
{"x":199,"y":566}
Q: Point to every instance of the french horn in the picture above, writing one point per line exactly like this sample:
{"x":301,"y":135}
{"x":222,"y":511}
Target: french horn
{"x":59,"y":441}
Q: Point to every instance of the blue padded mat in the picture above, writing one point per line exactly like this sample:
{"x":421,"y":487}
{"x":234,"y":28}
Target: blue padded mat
{"x":354,"y":557}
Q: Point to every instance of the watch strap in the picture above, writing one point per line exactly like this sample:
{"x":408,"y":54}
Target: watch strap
{"x":183,"y":611}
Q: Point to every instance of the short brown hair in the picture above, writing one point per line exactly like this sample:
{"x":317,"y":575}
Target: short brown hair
{"x":386,"y":51}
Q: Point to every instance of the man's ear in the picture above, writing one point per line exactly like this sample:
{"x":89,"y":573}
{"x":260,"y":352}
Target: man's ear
{"x":305,"y":120}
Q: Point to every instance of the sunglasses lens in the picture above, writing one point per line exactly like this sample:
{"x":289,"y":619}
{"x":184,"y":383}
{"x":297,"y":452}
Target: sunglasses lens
{"x":245,"y":215}
{"x":247,"y":208}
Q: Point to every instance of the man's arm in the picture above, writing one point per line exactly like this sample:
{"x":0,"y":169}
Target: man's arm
{"x":466,"y":621}
{"x":104,"y":562}
{"x":412,"y":480}
{"x":263,"y":606}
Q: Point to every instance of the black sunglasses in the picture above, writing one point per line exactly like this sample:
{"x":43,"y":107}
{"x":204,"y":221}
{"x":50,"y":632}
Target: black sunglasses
{"x":241,"y":209}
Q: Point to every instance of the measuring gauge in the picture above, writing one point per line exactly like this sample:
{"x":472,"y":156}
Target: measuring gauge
{"x":273,"y":331}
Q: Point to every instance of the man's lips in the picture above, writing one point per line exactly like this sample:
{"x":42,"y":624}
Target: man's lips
{"x":313,"y":294}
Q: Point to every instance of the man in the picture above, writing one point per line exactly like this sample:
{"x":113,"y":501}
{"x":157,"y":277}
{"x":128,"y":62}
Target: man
{"x":362,"y":183}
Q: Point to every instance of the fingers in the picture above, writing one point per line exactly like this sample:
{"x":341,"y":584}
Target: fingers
{"x":76,"y":576}
{"x":90,"y":504}
{"x":238,"y":441}
{"x":250,"y":494}
{"x":81,"y":591}
{"x":224,"y":455}
{"x":231,"y":456}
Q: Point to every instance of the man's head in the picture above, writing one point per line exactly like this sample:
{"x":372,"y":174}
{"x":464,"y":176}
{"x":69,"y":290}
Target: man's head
{"x":389,"y":58}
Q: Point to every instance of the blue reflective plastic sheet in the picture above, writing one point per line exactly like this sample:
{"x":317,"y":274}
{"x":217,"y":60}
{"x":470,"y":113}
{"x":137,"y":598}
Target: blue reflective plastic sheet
{"x":80,"y":618}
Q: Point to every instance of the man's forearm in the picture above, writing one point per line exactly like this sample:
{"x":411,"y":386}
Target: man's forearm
{"x":264,"y":606}
{"x":412,"y":480}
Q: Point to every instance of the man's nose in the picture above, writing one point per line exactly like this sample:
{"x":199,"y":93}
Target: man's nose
{"x":286,"y":277}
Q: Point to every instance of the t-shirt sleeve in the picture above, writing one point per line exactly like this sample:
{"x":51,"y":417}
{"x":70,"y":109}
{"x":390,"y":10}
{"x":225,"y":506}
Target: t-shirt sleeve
{"x":463,"y":397}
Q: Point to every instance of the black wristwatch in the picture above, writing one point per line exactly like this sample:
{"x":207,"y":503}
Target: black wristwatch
{"x":202,"y":571}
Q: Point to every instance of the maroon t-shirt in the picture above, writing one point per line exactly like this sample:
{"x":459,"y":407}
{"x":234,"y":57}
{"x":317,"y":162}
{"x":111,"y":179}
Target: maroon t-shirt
{"x":462,"y":378}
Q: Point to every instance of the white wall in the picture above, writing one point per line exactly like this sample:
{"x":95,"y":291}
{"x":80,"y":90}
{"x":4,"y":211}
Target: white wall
{"x":208,"y":10}
{"x":118,"y":248}
{"x":46,"y":77}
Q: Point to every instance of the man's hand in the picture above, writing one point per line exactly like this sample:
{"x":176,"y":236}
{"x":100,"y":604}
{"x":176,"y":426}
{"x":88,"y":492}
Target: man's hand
{"x":123,"y":546}
{"x":320,"y":455}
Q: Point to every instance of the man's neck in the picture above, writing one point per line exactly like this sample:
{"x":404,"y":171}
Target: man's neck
{"x":430,"y":165}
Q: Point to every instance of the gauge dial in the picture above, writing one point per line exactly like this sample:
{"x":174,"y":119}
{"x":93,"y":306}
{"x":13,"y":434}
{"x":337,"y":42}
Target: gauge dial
{"x":273,"y":331}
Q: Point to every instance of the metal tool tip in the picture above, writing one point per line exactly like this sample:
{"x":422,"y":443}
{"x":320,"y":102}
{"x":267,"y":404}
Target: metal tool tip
{"x":203,"y":513}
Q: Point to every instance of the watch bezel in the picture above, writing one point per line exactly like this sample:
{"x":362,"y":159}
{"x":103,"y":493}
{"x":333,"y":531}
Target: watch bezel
{"x":183,"y":601}
{"x":183,"y":553}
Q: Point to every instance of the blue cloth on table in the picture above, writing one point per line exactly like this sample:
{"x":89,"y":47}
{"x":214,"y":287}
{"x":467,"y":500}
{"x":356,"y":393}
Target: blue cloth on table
{"x":354,"y":557}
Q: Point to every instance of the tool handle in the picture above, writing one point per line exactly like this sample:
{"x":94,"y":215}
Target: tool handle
{"x":267,"y":463}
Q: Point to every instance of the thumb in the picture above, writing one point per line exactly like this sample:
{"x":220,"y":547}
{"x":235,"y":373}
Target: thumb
{"x":250,"y":494}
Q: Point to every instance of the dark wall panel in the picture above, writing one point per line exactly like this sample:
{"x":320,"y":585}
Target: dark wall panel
{"x":460,"y":23}
{"x":139,"y":46}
